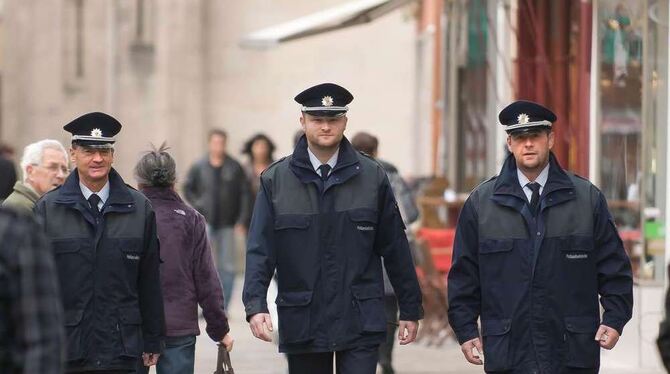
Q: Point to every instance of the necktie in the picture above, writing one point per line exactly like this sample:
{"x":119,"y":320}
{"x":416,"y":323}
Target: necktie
{"x":324,"y":169}
{"x":94,"y":200}
{"x":535,"y":197}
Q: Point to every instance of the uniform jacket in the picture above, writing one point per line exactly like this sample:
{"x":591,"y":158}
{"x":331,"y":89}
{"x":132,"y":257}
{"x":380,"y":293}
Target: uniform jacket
{"x":201,"y":188}
{"x":188,"y":275}
{"x":535,"y":282}
{"x":22,"y":199}
{"x":326,"y":241}
{"x":109,"y":274}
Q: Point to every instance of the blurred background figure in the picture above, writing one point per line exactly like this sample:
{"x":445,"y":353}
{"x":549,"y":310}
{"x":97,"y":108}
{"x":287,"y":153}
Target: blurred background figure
{"x":188,"y":274}
{"x":217,"y":187}
{"x":44,"y":166}
{"x":260,"y":152}
{"x":369,"y":144}
{"x":7,"y":171}
{"x":31,"y":317}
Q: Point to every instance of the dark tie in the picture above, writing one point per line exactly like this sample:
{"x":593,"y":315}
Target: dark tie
{"x":324,"y":170}
{"x":535,"y":197}
{"x":94,"y":200}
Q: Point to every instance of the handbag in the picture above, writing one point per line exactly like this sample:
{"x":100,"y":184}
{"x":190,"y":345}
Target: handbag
{"x":223,"y":365}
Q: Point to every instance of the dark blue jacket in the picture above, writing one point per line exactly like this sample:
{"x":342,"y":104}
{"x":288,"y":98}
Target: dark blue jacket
{"x":326,"y":241}
{"x":109,"y":274}
{"x":535,"y":282}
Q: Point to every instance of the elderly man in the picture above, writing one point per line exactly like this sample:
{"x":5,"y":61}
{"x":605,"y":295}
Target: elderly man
{"x":106,"y":245}
{"x":44,"y":166}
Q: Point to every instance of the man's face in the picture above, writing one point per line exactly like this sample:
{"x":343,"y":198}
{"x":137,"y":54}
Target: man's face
{"x":323,"y":132}
{"x":217,"y":145}
{"x":531,"y":149}
{"x":50,"y":173}
{"x":93,"y":164}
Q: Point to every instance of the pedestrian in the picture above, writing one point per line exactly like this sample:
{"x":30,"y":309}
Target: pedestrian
{"x":535,"y":248}
{"x":188,"y":274}
{"x":217,"y":187}
{"x":369,"y":144}
{"x":259,"y":150}
{"x":31,"y":316}
{"x":105,"y":243}
{"x":7,"y":173}
{"x":44,"y":166}
{"x":324,"y":218}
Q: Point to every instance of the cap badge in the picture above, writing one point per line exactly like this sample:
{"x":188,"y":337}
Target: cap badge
{"x":327,"y":101}
{"x":522,"y":118}
{"x":96,"y":133}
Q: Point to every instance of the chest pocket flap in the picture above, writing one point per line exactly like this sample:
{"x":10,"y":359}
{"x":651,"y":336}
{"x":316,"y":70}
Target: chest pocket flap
{"x":292,"y":221}
{"x":496,"y":245}
{"x":576,"y":243}
{"x":363,"y":215}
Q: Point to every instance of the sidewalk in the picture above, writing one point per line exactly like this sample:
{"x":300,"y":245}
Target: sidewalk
{"x":252,"y":356}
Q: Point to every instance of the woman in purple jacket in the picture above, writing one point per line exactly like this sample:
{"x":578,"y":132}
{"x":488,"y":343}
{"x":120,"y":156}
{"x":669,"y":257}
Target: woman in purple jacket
{"x":188,"y":274}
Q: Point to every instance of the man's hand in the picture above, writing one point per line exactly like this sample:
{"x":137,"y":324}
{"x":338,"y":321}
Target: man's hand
{"x":150,"y":359}
{"x":607,"y":337}
{"x":240,"y":230}
{"x":227,"y":342}
{"x":473,"y":357}
{"x":407,"y":331}
{"x":261,"y":326}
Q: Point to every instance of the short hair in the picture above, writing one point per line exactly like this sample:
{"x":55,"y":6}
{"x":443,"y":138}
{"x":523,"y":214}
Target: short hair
{"x":365,"y":143}
{"x":246,"y":149}
{"x":34,"y":152}
{"x":217,"y":132}
{"x":156,"y":168}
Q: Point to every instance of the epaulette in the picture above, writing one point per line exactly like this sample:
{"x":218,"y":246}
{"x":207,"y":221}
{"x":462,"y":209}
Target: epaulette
{"x":131,"y":187}
{"x":273,"y":164}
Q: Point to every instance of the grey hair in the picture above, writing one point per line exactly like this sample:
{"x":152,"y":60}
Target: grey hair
{"x":156,"y":168}
{"x":34,"y":153}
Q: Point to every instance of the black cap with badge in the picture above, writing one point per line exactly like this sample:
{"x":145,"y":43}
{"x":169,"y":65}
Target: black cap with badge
{"x":325,"y":100}
{"x":94,"y":129}
{"x":526,"y":116}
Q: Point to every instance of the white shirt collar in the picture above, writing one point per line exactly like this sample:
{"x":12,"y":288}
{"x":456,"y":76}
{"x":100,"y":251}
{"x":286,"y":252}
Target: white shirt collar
{"x":541,"y":180}
{"x":103,"y":194}
{"x":316,"y":163}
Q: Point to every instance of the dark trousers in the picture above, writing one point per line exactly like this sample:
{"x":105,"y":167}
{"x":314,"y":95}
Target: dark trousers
{"x":359,"y":360}
{"x":386,"y":348}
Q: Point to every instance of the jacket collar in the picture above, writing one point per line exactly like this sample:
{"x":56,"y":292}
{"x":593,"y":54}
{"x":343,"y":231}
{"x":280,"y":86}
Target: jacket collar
{"x":302,"y":166}
{"x":70,"y":192}
{"x":26,"y":190}
{"x":161,"y":193}
{"x":507,"y":183}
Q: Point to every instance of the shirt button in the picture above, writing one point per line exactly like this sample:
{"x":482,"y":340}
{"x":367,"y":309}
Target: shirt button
{"x":538,"y":233}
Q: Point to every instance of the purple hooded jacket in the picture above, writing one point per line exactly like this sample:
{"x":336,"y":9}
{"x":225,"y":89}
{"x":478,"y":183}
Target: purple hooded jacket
{"x":188,"y":275}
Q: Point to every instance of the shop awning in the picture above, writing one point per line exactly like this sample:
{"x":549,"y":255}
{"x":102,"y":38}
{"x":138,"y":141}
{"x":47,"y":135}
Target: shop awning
{"x":335,"y":18}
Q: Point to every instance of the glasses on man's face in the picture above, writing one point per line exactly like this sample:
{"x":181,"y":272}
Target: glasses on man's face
{"x":55,"y":168}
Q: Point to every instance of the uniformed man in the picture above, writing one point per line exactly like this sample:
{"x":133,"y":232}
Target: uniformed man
{"x":324,"y":218}
{"x":104,"y":239}
{"x":535,"y":247}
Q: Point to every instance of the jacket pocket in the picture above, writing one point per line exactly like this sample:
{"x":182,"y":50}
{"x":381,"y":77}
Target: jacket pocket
{"x":369,"y":302}
{"x":130,"y":326}
{"x":363,"y":228}
{"x":74,"y":263}
{"x":582,"y":350}
{"x":74,"y":335}
{"x":294,"y":316}
{"x":495,"y":333}
{"x":489,"y":246}
{"x":291,"y":221}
